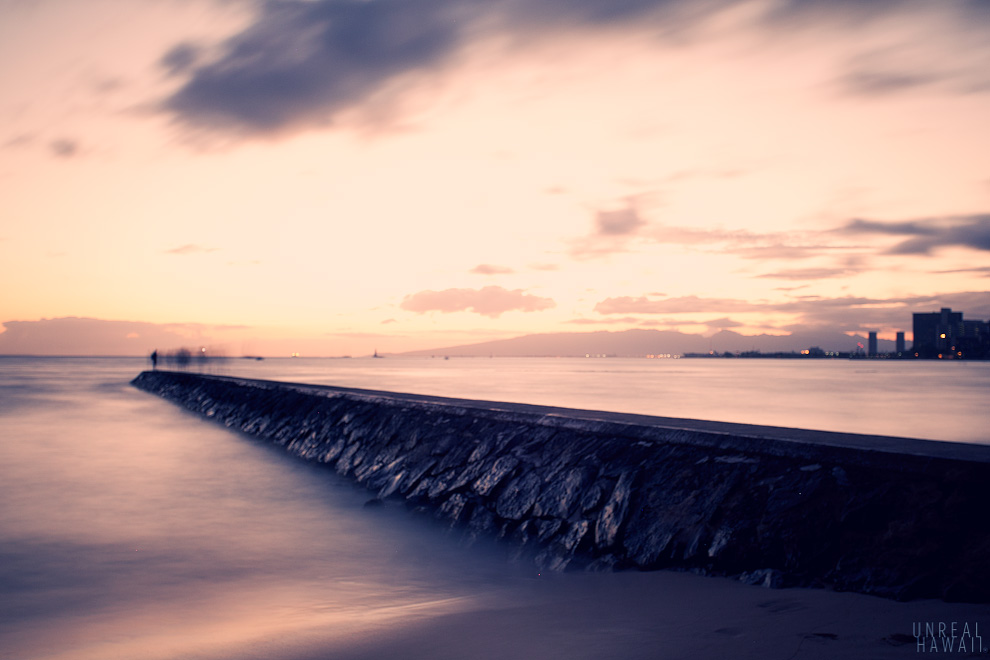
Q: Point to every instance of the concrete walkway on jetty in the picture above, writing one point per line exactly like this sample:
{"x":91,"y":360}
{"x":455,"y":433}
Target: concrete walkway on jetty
{"x":895,"y":517}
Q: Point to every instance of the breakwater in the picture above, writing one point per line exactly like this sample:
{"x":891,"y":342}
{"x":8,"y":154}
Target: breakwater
{"x":894,"y":517}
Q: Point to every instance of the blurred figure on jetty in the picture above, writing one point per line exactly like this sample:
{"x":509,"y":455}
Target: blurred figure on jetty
{"x":154,"y":359}
{"x":198,"y":359}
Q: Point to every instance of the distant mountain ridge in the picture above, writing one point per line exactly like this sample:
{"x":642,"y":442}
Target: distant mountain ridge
{"x":641,"y":342}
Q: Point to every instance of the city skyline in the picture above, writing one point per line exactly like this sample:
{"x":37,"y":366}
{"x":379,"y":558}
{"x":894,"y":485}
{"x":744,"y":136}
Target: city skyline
{"x":333,"y":177}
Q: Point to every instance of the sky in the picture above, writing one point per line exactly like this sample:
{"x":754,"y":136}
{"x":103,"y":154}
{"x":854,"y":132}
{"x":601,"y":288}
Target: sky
{"x":331,"y":177}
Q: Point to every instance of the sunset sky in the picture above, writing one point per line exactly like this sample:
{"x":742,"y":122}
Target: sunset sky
{"x":330,"y":177}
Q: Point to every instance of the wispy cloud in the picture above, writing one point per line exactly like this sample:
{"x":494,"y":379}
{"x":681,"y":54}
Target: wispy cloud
{"x":874,"y":82}
{"x":910,"y":66}
{"x":677,"y":305}
{"x":64,"y":148}
{"x":21,"y":140}
{"x":610,"y":321}
{"x":617,"y":231}
{"x":190,"y":248}
{"x":810,"y":273}
{"x":489,"y":269}
{"x":982,"y":270}
{"x":849,"y":313}
{"x":928,"y":234}
{"x":612,"y":232}
{"x":491,"y":301}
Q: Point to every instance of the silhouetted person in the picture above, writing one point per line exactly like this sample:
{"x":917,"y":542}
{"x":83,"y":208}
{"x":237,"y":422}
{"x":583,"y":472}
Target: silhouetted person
{"x":154,"y":358}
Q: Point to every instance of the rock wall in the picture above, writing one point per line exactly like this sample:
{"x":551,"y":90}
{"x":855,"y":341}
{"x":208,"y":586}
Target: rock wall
{"x":888,"y":516}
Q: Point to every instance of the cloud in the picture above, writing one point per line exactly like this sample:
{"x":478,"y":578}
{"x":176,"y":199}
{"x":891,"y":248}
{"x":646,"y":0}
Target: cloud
{"x":583,"y":321}
{"x":229,"y":326}
{"x":846,"y":13}
{"x":491,"y":301}
{"x":867,"y":82}
{"x":724,"y":322}
{"x":361,"y":335}
{"x":64,"y":148}
{"x":190,"y":248}
{"x":983,"y":270}
{"x":89,"y":336}
{"x":781,"y":251}
{"x":911,"y":65}
{"x":488,"y":269}
{"x":301,"y":62}
{"x":180,"y":59}
{"x":612,"y":232}
{"x":678,"y":305}
{"x":617,"y":230}
{"x":21,"y":140}
{"x":927,"y":234}
{"x":810,"y":273}
{"x":623,"y":222}
{"x":847,"y":313}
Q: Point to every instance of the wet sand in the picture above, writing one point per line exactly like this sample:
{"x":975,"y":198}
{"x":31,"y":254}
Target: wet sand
{"x":627,"y":616}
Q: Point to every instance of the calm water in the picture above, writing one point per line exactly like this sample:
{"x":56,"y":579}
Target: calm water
{"x":130,"y":529}
{"x":921,"y":399}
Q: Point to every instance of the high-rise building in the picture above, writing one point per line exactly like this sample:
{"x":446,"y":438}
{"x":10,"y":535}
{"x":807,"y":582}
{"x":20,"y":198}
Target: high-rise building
{"x":871,"y":345}
{"x":945,"y":335}
{"x":900,"y":344}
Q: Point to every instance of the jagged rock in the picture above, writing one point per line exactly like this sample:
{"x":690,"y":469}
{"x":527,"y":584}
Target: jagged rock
{"x":614,"y":512}
{"x":454,"y":508}
{"x":482,"y":521}
{"x":560,"y":495}
{"x":775,"y":506}
{"x":518,"y":496}
{"x":575,"y":534}
{"x":488,"y":481}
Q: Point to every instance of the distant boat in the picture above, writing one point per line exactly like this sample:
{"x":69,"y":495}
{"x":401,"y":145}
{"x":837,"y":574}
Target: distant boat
{"x":376,"y":355}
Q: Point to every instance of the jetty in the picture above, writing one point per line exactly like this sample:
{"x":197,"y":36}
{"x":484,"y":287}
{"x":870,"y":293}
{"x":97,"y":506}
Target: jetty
{"x":895,"y":517}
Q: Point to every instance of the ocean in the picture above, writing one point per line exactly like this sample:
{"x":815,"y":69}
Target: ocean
{"x":132,"y":529}
{"x":907,"y":398}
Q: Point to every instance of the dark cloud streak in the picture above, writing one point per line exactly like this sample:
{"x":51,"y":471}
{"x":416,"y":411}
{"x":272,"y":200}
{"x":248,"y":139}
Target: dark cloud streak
{"x":300,"y":63}
{"x":866,"y":82}
{"x":927,"y":234}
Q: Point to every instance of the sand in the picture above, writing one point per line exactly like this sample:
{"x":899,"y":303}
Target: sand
{"x":636,"y":615}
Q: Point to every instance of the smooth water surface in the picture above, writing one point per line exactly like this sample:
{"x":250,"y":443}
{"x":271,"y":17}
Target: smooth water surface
{"x":131,"y":529}
{"x":906,"y":398}
{"x":124,"y":519}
